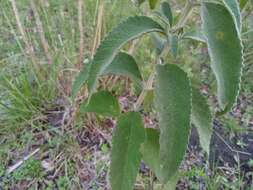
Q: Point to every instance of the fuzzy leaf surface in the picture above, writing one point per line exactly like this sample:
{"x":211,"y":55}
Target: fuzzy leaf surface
{"x":225,"y":50}
{"x":103,"y":103}
{"x":173,"y":104}
{"x":150,"y":151}
{"x":201,"y":118}
{"x":234,"y":8}
{"x":126,"y":157}
{"x":124,"y":64}
{"x":132,"y":28}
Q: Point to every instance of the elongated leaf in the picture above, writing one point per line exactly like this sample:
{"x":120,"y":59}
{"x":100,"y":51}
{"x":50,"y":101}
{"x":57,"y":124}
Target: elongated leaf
{"x":174,"y":44}
{"x":152,"y":3}
{"x":103,"y":103}
{"x":173,"y":104}
{"x":150,"y":151}
{"x":243,"y":3}
{"x":124,"y":32}
{"x":202,"y":118}
{"x":125,"y":158}
{"x":124,"y":64}
{"x":166,"y":12}
{"x":225,"y":50}
{"x":158,"y":42}
{"x":80,"y":79}
{"x":234,"y":9}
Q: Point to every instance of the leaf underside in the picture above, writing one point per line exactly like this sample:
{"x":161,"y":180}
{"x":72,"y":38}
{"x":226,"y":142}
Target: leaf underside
{"x":225,"y":49}
{"x":103,"y":103}
{"x":132,"y":28}
{"x":201,"y":118}
{"x":173,"y":104}
{"x":125,"y":156}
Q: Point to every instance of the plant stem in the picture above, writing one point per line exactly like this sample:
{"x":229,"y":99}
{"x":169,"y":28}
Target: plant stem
{"x":148,"y":85}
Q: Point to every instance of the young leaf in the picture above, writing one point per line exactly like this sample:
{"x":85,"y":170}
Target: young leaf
{"x":173,"y":104}
{"x":152,"y":3}
{"x":150,"y":151}
{"x":174,"y":44}
{"x":124,"y":32}
{"x":126,"y":158}
{"x":158,"y":42}
{"x":124,"y":64}
{"x":234,"y":9}
{"x":225,"y":49}
{"x":80,"y":79}
{"x":201,"y":118}
{"x":103,"y":103}
{"x":243,"y":3}
{"x":166,"y":12}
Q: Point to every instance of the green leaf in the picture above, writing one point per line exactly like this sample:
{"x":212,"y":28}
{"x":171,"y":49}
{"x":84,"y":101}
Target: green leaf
{"x":243,"y":3}
{"x":150,"y":151}
{"x":158,"y":42}
{"x":201,"y":118}
{"x":225,"y":49}
{"x":166,"y":12}
{"x":198,"y":36}
{"x":152,"y":3}
{"x":80,"y":79}
{"x":130,"y":29}
{"x":173,"y":104}
{"x":124,"y":64}
{"x":103,"y":103}
{"x":125,"y":157}
{"x":174,"y":44}
{"x":234,"y":9}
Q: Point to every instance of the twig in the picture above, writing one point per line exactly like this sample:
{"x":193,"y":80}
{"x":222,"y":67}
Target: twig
{"x":230,"y":148}
{"x":19,"y":163}
{"x":41,"y":32}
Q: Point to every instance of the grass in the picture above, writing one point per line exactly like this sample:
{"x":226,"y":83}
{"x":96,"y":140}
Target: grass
{"x":35,"y":98}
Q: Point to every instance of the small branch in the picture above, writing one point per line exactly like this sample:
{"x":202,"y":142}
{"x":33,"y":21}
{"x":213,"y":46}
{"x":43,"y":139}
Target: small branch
{"x":41,"y":32}
{"x":147,"y":86}
{"x":19,"y":163}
